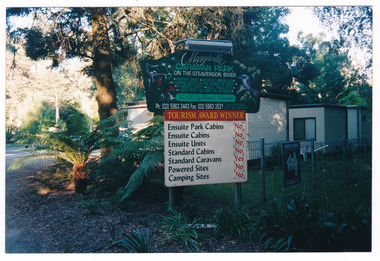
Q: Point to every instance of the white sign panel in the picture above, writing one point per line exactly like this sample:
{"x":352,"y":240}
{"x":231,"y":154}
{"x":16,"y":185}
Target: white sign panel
{"x":205,"y":147}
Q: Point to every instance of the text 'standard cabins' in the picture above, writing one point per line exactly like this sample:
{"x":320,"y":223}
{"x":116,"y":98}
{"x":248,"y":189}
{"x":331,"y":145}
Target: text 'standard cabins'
{"x":194,"y":80}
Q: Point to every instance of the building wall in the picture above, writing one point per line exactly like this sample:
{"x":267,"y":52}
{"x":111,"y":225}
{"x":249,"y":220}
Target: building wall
{"x":335,"y":123}
{"x":305,"y":113}
{"x":366,"y":123}
{"x":139,"y":116}
{"x":353,"y":123}
{"x":270,"y":122}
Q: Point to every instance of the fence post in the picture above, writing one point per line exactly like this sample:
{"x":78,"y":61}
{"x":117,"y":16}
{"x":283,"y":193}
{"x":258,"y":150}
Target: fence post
{"x":263,"y":192}
{"x":344,"y":158}
{"x":312,"y":165}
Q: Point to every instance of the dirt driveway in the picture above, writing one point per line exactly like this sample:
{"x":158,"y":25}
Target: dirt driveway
{"x":16,"y":233}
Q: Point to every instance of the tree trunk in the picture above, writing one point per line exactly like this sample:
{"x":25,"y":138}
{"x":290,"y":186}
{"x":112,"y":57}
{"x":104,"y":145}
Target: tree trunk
{"x":80,"y":177}
{"x":106,"y":93}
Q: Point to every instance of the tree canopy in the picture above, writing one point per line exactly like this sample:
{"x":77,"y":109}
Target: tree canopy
{"x":353,"y":25}
{"x":111,"y":41}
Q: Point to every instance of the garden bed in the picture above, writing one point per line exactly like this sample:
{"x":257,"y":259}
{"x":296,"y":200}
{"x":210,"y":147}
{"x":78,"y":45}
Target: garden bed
{"x":61,"y":221}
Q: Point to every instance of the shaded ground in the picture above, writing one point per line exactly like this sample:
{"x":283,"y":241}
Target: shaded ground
{"x":59,"y":222}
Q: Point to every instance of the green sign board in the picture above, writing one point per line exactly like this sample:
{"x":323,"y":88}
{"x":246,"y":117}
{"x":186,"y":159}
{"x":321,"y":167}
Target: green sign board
{"x":192,"y":80}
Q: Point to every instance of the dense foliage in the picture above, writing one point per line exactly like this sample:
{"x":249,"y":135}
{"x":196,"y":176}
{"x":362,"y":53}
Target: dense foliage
{"x":316,"y":72}
{"x":353,"y":24}
{"x":135,"y":156}
{"x":303,"y":226}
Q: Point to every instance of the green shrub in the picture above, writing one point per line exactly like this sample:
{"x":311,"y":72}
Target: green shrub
{"x":179,"y":230}
{"x":93,"y":206}
{"x":301,"y":227}
{"x":234,"y":223}
{"x":131,"y":242}
{"x":348,"y":230}
{"x":132,"y":161}
{"x":135,"y":243}
{"x":274,"y":158}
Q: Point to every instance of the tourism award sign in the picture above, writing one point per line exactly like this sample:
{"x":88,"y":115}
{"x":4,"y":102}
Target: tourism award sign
{"x":193,"y":80}
{"x":205,"y":147}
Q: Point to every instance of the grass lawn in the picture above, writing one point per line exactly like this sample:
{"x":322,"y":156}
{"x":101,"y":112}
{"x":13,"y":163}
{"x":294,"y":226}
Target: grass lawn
{"x":333,"y":189}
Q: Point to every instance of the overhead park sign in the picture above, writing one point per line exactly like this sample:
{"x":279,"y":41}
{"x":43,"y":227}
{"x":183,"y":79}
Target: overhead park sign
{"x":205,"y":147}
{"x":194,"y":80}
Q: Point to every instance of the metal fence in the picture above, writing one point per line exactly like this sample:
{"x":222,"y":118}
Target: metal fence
{"x":325,"y":166}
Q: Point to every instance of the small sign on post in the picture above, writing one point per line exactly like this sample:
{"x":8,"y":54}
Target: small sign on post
{"x":291,"y":163}
{"x":205,"y":147}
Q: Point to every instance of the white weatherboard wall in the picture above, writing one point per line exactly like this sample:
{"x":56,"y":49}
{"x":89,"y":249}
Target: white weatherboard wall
{"x":301,"y":113}
{"x":353,"y":123}
{"x":270,"y":122}
{"x":139,"y":117}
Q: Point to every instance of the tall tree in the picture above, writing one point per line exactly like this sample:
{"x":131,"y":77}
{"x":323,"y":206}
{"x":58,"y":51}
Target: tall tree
{"x":88,"y":33}
{"x":339,"y":82}
{"x":263,"y":44}
{"x":256,"y":32}
{"x":31,"y":83}
{"x":110,"y":36}
{"x":102,"y":63}
{"x":353,"y":25}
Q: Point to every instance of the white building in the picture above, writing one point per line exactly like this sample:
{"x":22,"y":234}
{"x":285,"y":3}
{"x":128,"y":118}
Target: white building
{"x":328,"y":124}
{"x":138,"y":115}
{"x":269,"y":123}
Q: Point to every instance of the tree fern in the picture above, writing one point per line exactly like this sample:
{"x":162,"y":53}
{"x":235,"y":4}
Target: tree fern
{"x":51,"y":146}
{"x":144,"y":150}
{"x":147,"y":166}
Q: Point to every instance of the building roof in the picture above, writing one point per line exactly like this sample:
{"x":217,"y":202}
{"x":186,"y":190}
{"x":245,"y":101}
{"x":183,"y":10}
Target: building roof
{"x":325,"y":105}
{"x":274,"y":96}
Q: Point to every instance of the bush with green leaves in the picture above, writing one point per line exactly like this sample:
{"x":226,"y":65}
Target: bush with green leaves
{"x":41,"y":119}
{"x":179,"y":230}
{"x":76,"y":122}
{"x":53,"y":146}
{"x":93,"y":206}
{"x":234,"y":223}
{"x":348,"y":230}
{"x":70,"y":118}
{"x":303,"y":227}
{"x":274,"y":157}
{"x":130,"y":242}
{"x":131,"y":162}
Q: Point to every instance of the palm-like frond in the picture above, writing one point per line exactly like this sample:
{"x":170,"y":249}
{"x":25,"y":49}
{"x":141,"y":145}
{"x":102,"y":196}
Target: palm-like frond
{"x":145,"y":148}
{"x":147,"y":166}
{"x":50,"y":146}
{"x":37,"y":157}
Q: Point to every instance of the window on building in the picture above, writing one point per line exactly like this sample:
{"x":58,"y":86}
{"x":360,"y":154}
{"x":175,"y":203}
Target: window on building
{"x":304,"y":129}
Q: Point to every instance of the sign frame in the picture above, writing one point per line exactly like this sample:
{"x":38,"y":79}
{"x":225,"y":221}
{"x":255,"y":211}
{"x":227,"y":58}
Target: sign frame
{"x":205,"y":147}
